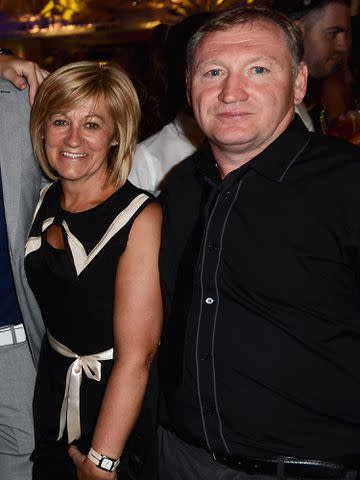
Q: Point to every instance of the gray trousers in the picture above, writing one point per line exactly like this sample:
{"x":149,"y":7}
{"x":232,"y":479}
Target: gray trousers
{"x":17,"y":379}
{"x":180,"y":461}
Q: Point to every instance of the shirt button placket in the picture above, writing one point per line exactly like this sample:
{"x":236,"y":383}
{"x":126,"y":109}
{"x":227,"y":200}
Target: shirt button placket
{"x":208,"y":316}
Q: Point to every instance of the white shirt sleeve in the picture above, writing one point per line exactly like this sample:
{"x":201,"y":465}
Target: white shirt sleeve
{"x":143,"y":173}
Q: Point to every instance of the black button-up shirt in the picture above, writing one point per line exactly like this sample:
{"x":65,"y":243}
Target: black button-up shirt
{"x":260,"y":273}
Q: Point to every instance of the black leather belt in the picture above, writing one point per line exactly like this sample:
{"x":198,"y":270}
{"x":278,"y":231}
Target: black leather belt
{"x":284,"y":466}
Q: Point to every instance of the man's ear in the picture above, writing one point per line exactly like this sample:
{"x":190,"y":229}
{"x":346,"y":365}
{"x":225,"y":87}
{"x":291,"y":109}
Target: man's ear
{"x":300,"y":83}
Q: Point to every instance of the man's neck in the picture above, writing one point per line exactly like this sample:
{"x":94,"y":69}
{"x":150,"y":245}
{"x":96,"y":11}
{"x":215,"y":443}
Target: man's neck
{"x":232,"y":158}
{"x":227,"y":162}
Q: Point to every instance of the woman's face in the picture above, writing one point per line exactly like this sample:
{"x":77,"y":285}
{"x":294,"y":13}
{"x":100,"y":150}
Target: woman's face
{"x":77,"y":142}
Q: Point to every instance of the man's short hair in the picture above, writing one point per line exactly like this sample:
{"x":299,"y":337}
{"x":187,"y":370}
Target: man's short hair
{"x":299,"y":9}
{"x":240,"y":16}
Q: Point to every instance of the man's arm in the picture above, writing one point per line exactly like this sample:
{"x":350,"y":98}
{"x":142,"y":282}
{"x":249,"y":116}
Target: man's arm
{"x":20,"y":72}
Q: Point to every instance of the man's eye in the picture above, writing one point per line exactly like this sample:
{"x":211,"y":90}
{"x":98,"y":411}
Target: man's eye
{"x":214,"y":72}
{"x":260,"y":70}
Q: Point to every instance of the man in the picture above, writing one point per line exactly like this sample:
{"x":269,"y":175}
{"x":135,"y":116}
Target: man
{"x":325,"y":25}
{"x":260,"y":271}
{"x":21,"y":73}
{"x":178,"y":139}
{"x":21,"y":327}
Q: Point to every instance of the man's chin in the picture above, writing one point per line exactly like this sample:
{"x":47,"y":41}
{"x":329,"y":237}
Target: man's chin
{"x":334,"y":66}
{"x":233,"y":144}
{"x":330,"y":68}
{"x":234,"y":136}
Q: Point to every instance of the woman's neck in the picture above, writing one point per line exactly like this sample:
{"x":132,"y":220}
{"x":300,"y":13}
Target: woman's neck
{"x":80,"y":197}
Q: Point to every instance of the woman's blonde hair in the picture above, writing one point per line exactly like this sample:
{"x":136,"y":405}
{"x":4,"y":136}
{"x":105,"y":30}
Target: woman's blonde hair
{"x":71,"y":85}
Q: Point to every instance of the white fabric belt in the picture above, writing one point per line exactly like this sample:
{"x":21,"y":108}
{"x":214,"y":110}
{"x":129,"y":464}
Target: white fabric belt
{"x":12,"y":334}
{"x":70,"y":408}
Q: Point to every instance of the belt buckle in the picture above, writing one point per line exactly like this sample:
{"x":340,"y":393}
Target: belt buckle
{"x":20,"y":334}
{"x":249,"y":466}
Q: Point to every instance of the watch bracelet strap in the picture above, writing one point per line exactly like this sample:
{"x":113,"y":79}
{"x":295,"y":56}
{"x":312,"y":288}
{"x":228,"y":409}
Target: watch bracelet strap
{"x":96,"y":458}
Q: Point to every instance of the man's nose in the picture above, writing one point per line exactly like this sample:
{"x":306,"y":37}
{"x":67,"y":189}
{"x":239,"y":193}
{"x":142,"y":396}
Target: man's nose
{"x":233,"y":89}
{"x":342,"y":42}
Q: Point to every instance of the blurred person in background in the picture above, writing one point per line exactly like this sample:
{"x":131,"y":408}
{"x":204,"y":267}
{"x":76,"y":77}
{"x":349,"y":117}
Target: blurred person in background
{"x":21,"y":326}
{"x":340,"y":93}
{"x":150,"y":84}
{"x":180,"y":135}
{"x":325,"y":25}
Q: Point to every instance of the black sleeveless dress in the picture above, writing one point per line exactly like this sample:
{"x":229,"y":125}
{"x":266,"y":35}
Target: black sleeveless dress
{"x":74,"y":287}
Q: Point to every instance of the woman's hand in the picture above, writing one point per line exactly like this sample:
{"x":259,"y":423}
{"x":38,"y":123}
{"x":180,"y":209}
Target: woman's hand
{"x":87,"y":470}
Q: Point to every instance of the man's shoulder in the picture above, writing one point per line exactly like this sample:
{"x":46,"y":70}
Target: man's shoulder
{"x":6,"y":84}
{"x":332,"y":154}
{"x":331,"y":167}
{"x":334,"y":144}
{"x":185,"y":171}
{"x":167,"y":133}
{"x":15,"y":105}
{"x":162,"y":145}
{"x":9,"y":92}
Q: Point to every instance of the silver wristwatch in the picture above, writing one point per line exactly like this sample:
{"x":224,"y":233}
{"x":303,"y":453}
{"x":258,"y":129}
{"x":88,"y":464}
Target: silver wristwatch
{"x":102,"y":461}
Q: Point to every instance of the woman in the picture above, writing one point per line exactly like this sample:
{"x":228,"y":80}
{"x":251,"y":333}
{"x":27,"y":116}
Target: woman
{"x":92,"y":262}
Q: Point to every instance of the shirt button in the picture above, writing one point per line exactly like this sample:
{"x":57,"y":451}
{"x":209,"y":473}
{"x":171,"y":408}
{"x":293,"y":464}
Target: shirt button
{"x":212,"y":246}
{"x":209,"y":300}
{"x":208,"y":412}
{"x":227,"y":196}
{"x":204,"y":356}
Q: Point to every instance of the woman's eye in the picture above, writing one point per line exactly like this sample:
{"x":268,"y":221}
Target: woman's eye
{"x":59,"y":123}
{"x":260,"y":70}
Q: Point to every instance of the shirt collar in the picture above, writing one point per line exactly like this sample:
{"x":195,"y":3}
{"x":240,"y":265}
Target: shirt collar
{"x":273,"y":162}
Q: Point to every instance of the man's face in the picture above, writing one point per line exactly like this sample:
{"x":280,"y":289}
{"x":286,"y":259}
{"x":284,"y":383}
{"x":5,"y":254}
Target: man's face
{"x":326,"y":39}
{"x":242,"y":88}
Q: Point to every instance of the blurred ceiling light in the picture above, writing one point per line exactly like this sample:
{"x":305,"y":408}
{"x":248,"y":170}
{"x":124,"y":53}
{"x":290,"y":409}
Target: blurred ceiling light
{"x":65,"y":9}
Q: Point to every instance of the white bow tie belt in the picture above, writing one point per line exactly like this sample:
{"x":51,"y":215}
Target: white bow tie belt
{"x":70,"y":408}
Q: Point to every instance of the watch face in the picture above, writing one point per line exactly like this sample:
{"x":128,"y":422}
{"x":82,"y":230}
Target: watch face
{"x":106,"y":464}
